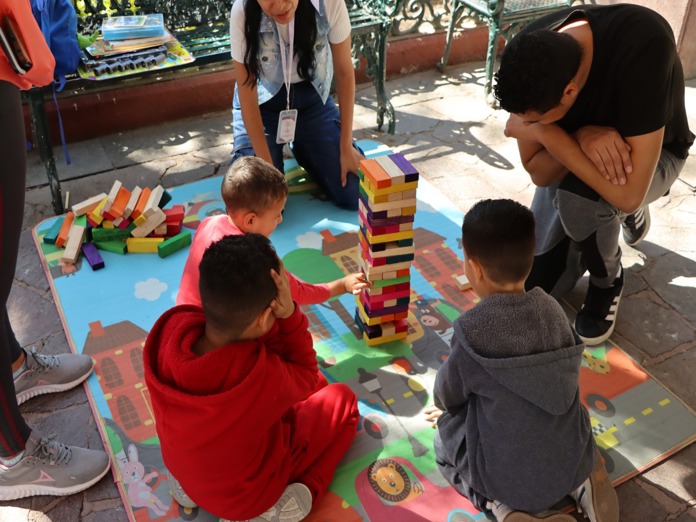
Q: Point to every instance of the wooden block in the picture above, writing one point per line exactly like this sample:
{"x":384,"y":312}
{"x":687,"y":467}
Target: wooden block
{"x":52,"y":234}
{"x":108,"y":224}
{"x":372,"y":171}
{"x":410,"y":172}
{"x":140,"y":205}
{"x":96,"y":215}
{"x":132,"y":201}
{"x":94,"y":258}
{"x":390,"y":189}
{"x":390,"y":282}
{"x":379,"y":298}
{"x":388,"y":238}
{"x":173,"y":229}
{"x":125,"y":223}
{"x":175,"y":214}
{"x":151,"y":223}
{"x":65,"y":229}
{"x":73,"y":244}
{"x":140,"y":220}
{"x":174,"y":244}
{"x":143,"y":245}
{"x":385,"y":339}
{"x":119,"y":204}
{"x":153,"y":200}
{"x":160,"y":230}
{"x":166,"y":198}
{"x":117,"y":247}
{"x":389,"y":205}
{"x":462,"y":282}
{"x":100,"y":235}
{"x":112,"y":195}
{"x":395,"y":173}
{"x":365,"y":217}
{"x":88,"y":205}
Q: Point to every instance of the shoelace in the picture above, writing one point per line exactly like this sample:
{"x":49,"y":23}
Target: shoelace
{"x":45,"y":362}
{"x":53,"y":451}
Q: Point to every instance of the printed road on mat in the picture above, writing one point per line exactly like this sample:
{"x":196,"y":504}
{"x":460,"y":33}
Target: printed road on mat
{"x":636,"y":421}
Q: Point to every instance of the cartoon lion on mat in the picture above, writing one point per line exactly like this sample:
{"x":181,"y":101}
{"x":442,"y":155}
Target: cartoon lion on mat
{"x":390,"y":481}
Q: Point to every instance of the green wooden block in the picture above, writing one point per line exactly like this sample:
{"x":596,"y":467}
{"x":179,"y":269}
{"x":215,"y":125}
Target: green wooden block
{"x":117,"y":247}
{"x":388,"y":282}
{"x":100,"y":235}
{"x":166,"y":198}
{"x":81,"y":220}
{"x":174,"y":244}
{"x":52,"y":234}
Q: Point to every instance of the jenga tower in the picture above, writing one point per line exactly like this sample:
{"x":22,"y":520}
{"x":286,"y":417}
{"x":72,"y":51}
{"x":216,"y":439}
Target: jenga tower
{"x":386,"y":211}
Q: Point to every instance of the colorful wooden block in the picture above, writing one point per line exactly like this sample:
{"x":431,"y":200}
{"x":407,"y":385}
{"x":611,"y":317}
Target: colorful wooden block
{"x":156,"y":218}
{"x":393,"y":171}
{"x":116,"y":247}
{"x":92,"y":255}
{"x":112,"y":195}
{"x":175,"y":214}
{"x":410,"y":172}
{"x":166,"y":198}
{"x":140,"y":205}
{"x":390,"y":189}
{"x":385,"y":339}
{"x":88,"y":205}
{"x":160,"y":230}
{"x":388,"y":238}
{"x":52,"y":234}
{"x":100,"y":235}
{"x":143,"y":245}
{"x":371,"y":170}
{"x":132,"y":202}
{"x":96,"y":215}
{"x":378,"y":298}
{"x":153,"y":201}
{"x":72,"y":246}
{"x":119,"y":204}
{"x":65,"y":229}
{"x":173,"y":229}
{"x":373,"y":222}
{"x":174,"y":244}
{"x":462,"y":282}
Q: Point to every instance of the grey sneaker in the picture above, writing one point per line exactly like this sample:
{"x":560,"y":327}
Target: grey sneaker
{"x":179,"y":494}
{"x":293,"y":505}
{"x":636,"y":226}
{"x":596,"y":497}
{"x":51,"y":373}
{"x":51,"y":468}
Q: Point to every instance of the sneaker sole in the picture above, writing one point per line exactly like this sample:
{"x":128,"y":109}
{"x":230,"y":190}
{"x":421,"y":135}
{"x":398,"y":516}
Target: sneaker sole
{"x":519,"y":516}
{"x":593,"y":341}
{"x":604,"y":500}
{"x":293,"y":505}
{"x":31,"y":490}
{"x":24,"y":396}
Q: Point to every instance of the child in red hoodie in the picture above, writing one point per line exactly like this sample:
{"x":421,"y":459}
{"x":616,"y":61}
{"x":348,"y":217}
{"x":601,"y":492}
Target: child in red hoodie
{"x":247,"y":424}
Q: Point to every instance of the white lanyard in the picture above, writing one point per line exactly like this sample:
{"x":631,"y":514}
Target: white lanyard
{"x":287,"y":59}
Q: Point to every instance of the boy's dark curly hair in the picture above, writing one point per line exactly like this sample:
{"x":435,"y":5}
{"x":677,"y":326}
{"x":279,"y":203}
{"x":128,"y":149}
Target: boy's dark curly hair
{"x":235,"y":281}
{"x":305,"y":36}
{"x":499,"y":234}
{"x":534,"y":69}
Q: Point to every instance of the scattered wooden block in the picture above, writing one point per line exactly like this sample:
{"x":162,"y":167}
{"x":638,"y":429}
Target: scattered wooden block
{"x":65,"y":229}
{"x":132,"y":202}
{"x":72,"y":246}
{"x":119,"y":204}
{"x":88,"y":205}
{"x":140,"y":205}
{"x":92,"y":255}
{"x":155,"y":219}
{"x":462,"y":282}
{"x":143,"y":245}
{"x":153,"y":201}
{"x":96,"y":215}
{"x":52,"y":234}
{"x":112,"y":195}
{"x":174,"y":244}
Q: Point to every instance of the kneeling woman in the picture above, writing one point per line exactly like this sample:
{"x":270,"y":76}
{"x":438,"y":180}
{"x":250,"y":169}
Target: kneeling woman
{"x":285,"y":53}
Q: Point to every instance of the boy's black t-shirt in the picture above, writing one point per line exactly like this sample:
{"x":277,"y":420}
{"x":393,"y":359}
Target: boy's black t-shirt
{"x":636,"y":81}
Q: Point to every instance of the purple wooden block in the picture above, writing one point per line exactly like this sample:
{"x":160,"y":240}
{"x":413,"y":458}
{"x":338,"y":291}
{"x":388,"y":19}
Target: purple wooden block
{"x":94,"y":258}
{"x":410,"y":172}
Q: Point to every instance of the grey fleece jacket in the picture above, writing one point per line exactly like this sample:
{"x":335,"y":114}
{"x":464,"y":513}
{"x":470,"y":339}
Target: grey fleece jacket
{"x":513,"y":424}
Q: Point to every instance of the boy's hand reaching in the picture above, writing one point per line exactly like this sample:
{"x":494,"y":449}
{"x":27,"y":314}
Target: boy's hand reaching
{"x":355,"y":282}
{"x":283,"y":306}
{"x":432,"y":414}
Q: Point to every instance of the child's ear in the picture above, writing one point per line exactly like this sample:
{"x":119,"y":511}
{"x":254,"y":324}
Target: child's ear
{"x":265,"y":318}
{"x":248,"y":220}
{"x":476,"y":268}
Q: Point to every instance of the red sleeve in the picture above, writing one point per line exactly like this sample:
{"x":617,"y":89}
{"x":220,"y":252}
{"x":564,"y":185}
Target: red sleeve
{"x":306,"y":293}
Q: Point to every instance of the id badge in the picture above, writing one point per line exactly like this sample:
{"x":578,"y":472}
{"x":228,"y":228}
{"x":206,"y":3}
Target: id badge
{"x":286,"y":126}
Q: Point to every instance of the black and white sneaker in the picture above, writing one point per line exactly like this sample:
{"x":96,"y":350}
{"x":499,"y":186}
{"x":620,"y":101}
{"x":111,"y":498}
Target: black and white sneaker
{"x":636,"y":226}
{"x":597,"y":317}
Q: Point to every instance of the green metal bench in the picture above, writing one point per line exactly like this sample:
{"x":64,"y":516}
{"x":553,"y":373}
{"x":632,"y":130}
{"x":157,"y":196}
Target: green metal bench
{"x":504,"y":18}
{"x":202,"y":26}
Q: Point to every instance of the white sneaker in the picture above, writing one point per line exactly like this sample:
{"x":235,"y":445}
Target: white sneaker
{"x":293,"y":505}
{"x":505,"y":513}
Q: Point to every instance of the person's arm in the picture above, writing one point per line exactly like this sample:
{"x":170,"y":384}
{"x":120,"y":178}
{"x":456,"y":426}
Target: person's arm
{"x":251,"y":113}
{"x":349,"y":284}
{"x":450,"y":391}
{"x":345,"y":90}
{"x":644,"y":154}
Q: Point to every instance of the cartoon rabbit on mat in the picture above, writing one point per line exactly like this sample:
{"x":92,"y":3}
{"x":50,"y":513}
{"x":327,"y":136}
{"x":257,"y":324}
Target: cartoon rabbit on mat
{"x":139,"y":493}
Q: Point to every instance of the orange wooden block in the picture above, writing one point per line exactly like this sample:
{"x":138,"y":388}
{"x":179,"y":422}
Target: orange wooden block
{"x":142,"y":201}
{"x":64,"y":229}
{"x":119,"y":204}
{"x":375,"y":173}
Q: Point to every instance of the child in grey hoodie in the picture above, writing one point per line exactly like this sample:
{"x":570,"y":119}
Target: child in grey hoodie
{"x":513,"y":436}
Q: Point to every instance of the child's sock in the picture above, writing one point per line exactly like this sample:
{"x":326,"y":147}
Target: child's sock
{"x":11,"y":461}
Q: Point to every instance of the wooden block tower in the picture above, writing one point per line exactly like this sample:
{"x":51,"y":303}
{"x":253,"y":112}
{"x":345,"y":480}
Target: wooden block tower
{"x":386,"y":211}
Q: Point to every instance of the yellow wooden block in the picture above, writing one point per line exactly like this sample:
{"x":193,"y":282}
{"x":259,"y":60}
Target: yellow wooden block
{"x":396,"y":251}
{"x":412,"y":185}
{"x":96,"y":214}
{"x":151,"y":223}
{"x":389,"y":205}
{"x":88,"y":205}
{"x":385,"y":238}
{"x":140,"y":220}
{"x":384,"y":339}
{"x":108,"y":224}
{"x":143,"y":245}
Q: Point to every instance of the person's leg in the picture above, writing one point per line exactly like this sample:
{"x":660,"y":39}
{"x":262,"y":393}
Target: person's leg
{"x":317,"y":145}
{"x":14,"y":432}
{"x":325,"y":426}
{"x":269,"y":116}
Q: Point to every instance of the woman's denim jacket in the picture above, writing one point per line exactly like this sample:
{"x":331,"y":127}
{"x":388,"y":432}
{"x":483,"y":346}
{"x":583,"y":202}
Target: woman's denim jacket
{"x":271,"y":78}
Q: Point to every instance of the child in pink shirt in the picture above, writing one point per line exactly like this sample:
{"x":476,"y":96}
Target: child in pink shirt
{"x":254,"y":193}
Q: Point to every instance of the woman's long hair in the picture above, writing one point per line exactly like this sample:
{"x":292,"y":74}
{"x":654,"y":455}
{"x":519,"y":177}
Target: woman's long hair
{"x":305,"y":36}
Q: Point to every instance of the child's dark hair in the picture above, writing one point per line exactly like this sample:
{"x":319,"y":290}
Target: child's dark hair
{"x":253,"y":184}
{"x":305,"y":36}
{"x":235,"y":281}
{"x":535,"y":69}
{"x":499,"y":234}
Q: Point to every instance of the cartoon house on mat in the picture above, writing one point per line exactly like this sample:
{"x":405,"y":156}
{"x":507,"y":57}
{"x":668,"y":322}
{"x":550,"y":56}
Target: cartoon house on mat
{"x":118,"y":352}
